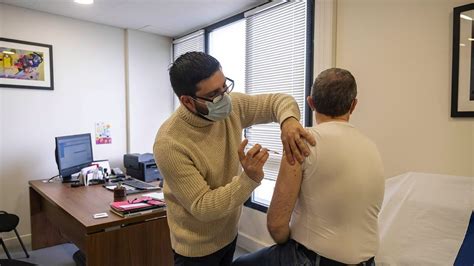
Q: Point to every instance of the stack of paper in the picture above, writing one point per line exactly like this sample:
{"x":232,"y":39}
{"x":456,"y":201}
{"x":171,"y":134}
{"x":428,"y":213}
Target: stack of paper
{"x":137,"y":206}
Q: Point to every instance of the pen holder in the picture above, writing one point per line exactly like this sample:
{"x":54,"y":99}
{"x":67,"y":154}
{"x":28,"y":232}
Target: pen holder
{"x":120,"y":194}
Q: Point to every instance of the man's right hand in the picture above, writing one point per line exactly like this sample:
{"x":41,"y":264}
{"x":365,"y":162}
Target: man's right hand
{"x":253,"y":161}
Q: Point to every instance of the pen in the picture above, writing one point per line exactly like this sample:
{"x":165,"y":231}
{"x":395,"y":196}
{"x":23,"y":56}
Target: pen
{"x":270,"y":151}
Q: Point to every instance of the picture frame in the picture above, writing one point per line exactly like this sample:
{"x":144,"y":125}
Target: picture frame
{"x":462,"y":79}
{"x":26,"y":65}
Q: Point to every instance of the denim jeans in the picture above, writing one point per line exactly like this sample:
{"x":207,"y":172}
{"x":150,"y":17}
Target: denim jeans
{"x":287,"y":254}
{"x":222,"y":257}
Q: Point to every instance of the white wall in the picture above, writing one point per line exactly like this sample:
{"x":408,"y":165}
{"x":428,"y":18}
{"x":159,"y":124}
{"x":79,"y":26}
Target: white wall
{"x":150,"y":96}
{"x":400,"y":54}
{"x":89,"y":86}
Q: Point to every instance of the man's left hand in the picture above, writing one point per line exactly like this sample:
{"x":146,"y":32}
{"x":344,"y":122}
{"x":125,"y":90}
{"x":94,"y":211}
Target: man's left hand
{"x":293,"y":137}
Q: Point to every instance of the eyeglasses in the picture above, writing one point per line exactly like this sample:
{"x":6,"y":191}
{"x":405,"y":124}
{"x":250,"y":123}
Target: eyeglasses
{"x":229,"y":86}
{"x":137,"y":200}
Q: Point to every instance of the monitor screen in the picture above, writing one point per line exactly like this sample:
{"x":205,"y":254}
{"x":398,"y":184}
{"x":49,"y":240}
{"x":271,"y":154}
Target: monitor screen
{"x":72,"y":154}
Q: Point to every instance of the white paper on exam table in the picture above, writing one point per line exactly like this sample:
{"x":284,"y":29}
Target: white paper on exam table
{"x":424,"y":218}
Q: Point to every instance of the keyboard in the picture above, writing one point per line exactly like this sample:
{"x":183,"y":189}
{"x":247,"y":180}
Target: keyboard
{"x":131,"y":185}
{"x":139,"y":184}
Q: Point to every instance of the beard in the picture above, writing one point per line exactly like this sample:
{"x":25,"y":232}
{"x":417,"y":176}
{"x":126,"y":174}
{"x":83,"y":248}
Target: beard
{"x":201,"y":109}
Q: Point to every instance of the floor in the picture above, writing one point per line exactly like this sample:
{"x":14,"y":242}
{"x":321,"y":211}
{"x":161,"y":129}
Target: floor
{"x":60,"y":255}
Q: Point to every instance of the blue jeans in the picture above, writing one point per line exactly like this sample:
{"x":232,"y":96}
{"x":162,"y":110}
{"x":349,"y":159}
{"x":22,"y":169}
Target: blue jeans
{"x":287,"y":254}
{"x":222,"y":257}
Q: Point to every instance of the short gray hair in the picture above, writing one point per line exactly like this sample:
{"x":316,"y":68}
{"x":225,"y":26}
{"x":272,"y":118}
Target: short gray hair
{"x":333,"y":92}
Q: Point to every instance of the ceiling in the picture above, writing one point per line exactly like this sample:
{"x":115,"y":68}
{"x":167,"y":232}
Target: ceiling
{"x":172,"y":18}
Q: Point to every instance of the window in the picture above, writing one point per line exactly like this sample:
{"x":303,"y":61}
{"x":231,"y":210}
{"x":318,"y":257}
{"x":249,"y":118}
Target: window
{"x":267,"y":50}
{"x":188,"y":43}
{"x":276,"y":61}
{"x":227,"y":44}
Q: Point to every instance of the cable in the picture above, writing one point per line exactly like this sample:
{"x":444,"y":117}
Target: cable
{"x":49,"y":180}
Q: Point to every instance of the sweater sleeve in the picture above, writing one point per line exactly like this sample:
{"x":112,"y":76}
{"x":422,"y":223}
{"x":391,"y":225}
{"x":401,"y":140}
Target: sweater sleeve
{"x":191,"y":189}
{"x":266,"y":108}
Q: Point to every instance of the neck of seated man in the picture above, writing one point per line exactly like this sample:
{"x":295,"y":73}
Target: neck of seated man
{"x":322,"y":118}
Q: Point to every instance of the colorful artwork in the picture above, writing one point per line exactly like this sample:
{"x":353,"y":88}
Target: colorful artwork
{"x":21,"y":64}
{"x":102,"y":133}
{"x":25,"y":65}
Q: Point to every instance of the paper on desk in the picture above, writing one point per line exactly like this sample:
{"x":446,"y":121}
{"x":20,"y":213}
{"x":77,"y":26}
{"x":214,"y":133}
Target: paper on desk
{"x":155,"y":195}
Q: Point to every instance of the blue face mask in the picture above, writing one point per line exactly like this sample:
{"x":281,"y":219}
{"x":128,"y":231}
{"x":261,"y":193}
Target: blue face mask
{"x":220,"y":110}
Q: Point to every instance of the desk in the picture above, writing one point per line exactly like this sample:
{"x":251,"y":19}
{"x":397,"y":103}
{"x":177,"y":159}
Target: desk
{"x":61,"y":214}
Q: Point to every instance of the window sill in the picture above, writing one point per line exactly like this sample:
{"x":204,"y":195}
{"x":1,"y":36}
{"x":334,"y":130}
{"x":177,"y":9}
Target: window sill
{"x":256,"y":206}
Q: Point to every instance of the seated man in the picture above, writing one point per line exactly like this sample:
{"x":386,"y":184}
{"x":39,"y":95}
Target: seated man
{"x":338,"y":190}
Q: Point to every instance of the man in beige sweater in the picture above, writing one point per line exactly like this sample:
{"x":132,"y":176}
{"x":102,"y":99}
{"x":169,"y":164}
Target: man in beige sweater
{"x":334,"y":197}
{"x":199,"y":153}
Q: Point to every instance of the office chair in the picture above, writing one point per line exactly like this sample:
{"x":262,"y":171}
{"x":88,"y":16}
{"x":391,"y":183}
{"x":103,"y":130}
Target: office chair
{"x":8,"y":222}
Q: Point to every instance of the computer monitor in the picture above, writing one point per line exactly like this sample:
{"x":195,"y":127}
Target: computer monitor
{"x":72,"y":154}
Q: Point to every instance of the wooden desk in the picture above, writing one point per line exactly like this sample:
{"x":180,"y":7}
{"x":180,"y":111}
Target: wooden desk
{"x":61,"y":214}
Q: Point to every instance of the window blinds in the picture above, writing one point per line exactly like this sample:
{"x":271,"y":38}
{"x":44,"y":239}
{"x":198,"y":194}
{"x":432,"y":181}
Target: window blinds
{"x":276,"y":63}
{"x":188,"y":43}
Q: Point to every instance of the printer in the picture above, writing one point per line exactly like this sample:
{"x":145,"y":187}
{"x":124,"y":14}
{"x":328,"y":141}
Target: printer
{"x":141,"y":166}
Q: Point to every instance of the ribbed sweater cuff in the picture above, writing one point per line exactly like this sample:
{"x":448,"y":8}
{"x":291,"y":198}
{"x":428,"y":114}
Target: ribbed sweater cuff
{"x":247,"y":183}
{"x":287,"y":115}
{"x":283,"y":121}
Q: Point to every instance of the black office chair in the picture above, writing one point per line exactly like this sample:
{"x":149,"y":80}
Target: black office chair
{"x":8,"y":222}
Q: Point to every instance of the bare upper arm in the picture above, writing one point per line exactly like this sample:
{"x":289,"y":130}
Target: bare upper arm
{"x":285,"y":194}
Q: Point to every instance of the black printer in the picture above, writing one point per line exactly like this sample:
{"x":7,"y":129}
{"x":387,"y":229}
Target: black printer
{"x":141,"y":166}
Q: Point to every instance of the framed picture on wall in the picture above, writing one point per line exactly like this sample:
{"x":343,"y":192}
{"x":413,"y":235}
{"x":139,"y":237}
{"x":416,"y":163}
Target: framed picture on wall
{"x":462,"y":93}
{"x":26,"y":65}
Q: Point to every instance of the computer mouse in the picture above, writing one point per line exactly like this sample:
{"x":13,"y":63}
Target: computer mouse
{"x":76,"y":184}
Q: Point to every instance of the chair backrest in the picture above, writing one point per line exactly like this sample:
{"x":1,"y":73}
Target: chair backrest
{"x":8,"y":221}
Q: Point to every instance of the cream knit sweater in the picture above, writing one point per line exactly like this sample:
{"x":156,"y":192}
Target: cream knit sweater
{"x":204,"y":185}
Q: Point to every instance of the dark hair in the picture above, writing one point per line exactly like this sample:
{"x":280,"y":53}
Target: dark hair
{"x":189,"y":69}
{"x":333,"y":92}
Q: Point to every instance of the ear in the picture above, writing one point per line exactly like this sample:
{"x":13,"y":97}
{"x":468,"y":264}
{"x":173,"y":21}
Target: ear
{"x":353,"y":105}
{"x":188,"y":102}
{"x":310,"y":102}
